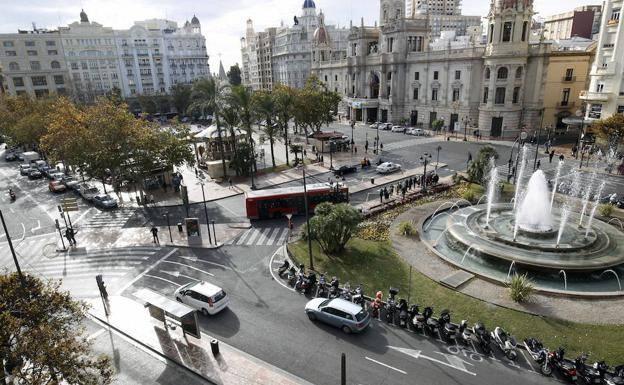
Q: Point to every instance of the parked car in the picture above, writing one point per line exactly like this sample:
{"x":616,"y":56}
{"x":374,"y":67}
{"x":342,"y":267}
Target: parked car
{"x":34,"y":174}
{"x":88,"y":191}
{"x":398,"y":129}
{"x":388,"y":167}
{"x":55,"y":175}
{"x":385,"y":126}
{"x":24,"y":169}
{"x":342,"y":170}
{"x":38,"y":164}
{"x":338,"y":312}
{"x":10,"y":157}
{"x":416,"y":131}
{"x":203,"y":296}
{"x":105,"y":201}
{"x":374,"y":125}
{"x":56,"y":186}
{"x":70,"y":182}
{"x":45,"y":170}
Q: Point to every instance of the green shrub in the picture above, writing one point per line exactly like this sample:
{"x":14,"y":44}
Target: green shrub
{"x":469,"y":195}
{"x":605,"y":210}
{"x":406,"y":229}
{"x":520,"y":288}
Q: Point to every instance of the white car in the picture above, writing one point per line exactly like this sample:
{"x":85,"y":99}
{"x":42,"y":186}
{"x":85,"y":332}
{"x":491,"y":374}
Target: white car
{"x":203,"y":296}
{"x":374,"y":125}
{"x":416,"y":131}
{"x":388,"y":167}
{"x":385,"y":126}
{"x":88,"y":192}
{"x":398,"y":129}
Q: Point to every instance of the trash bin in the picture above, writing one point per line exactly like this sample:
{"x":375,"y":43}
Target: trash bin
{"x":214,"y":346}
{"x":179,"y":226}
{"x":372,"y":180}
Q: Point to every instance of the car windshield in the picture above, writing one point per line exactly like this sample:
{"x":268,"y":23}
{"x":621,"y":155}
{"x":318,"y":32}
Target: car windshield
{"x":219,"y":296}
{"x":361,"y":315}
{"x":322,"y":304}
{"x":91,"y":190}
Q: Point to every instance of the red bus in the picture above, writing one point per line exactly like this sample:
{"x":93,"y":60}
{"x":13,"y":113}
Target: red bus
{"x":275,"y":203}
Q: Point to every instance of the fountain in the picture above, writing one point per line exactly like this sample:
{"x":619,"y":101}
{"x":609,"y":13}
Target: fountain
{"x":534,"y":212}
{"x":618,"y":220}
{"x":510,"y":267}
{"x":565,"y":279}
{"x":466,"y":252}
{"x":552,"y":197}
{"x":593,"y":212}
{"x":586,"y":197}
{"x":616,"y":277}
{"x":525,"y":150}
{"x":493,"y":182}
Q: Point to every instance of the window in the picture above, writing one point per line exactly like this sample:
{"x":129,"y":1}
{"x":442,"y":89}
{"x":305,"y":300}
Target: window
{"x":50,"y":43}
{"x":84,"y":65}
{"x":18,"y":82}
{"x":29,"y":43}
{"x":435,"y":75}
{"x":507,"y":28}
{"x":74,"y":66}
{"x":565,"y":97}
{"x":455,"y":94}
{"x":487,"y":73}
{"x":457,"y":75}
{"x":615,"y":14}
{"x":390,"y":44}
{"x":10,"y":53}
{"x":415,"y":93}
{"x":516,"y":95}
{"x":39,"y":81}
{"x":599,"y":87}
{"x":389,"y":76}
{"x":519,"y":73}
{"x":569,"y":73}
{"x":620,"y":109}
{"x":7,"y":44}
{"x":58,"y":79}
{"x":35,"y":65}
{"x":525,"y":28}
{"x":54,"y":64}
{"x":486,"y":94}
{"x":335,"y":78}
{"x":502,"y":73}
{"x":416,"y":75}
{"x":499,"y":97}
{"x":13,"y":66}
{"x":31,"y":52}
{"x":434,"y":94}
{"x":52,"y":52}
{"x":42,"y":93}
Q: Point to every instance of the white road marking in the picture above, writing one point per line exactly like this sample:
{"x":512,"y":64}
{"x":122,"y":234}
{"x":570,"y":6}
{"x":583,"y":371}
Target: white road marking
{"x":277,"y":279}
{"x":245,"y":234}
{"x":215,"y":264}
{"x":32,"y":230}
{"x":528,"y":361}
{"x":145,"y":272}
{"x":418,"y":354}
{"x":282,"y":238}
{"x":386,"y":365}
{"x":190,"y":267}
{"x":163,"y":279}
{"x":252,"y":237}
{"x":263,"y":236}
{"x":272,"y":239}
{"x":96,"y":334}
{"x":83,"y":215}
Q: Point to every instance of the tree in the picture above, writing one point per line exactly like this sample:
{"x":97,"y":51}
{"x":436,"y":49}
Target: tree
{"x":284,"y":104}
{"x":181,"y":97}
{"x":163,"y":103}
{"x":231,"y":122}
{"x":241,"y":99}
{"x":265,"y":109}
{"x":333,"y":225}
{"x":148,"y":104}
{"x":42,"y":339}
{"x":115,"y":95}
{"x":234,"y":75}
{"x":477,"y":169}
{"x":611,"y":130}
{"x":314,"y":105}
{"x":241,"y":161}
{"x":208,"y":96}
{"x":23,"y":119}
{"x":437,"y":124}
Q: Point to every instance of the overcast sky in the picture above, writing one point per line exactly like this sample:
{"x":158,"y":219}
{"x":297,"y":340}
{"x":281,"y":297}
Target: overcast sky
{"x":222,"y":21}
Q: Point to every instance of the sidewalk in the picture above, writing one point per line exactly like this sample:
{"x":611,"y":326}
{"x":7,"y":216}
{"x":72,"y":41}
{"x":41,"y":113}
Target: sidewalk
{"x":231,"y":366}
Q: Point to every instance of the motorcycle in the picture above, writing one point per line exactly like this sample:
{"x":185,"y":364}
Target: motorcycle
{"x":321,"y":290}
{"x":358,"y":296}
{"x":615,"y":377}
{"x":506,"y":343}
{"x":390,"y":310}
{"x":556,"y":361}
{"x":539,"y":354}
{"x":464,"y":334}
{"x":482,"y":336}
{"x":283,"y":268}
{"x":587,"y":373}
{"x":292,"y":276}
{"x":416,"y":320}
{"x":334,"y":288}
{"x":431,"y":324}
{"x":346,"y":292}
{"x":448,"y":330}
{"x":403,"y":315}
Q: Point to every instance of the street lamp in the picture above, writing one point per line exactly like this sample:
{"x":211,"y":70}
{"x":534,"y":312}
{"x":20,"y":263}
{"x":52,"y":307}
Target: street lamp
{"x":438,"y":158}
{"x":579,"y":114}
{"x":8,"y":237}
{"x":539,"y":132}
{"x":465,"y":120}
{"x":425,"y":159}
{"x":331,"y":159}
{"x":166,"y":215}
{"x":201,"y":183}
{"x":352,"y":141}
{"x":307,"y":215}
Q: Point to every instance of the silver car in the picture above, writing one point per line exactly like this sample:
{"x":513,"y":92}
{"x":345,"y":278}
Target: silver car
{"x":339,"y":313}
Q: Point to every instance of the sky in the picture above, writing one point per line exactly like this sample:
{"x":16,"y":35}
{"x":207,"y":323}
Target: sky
{"x":223,"y":21}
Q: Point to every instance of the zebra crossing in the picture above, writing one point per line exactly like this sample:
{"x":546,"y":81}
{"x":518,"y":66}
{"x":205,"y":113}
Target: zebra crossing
{"x":109,"y":219}
{"x":262,"y":236}
{"x":27,"y":250}
{"x":409,"y":143}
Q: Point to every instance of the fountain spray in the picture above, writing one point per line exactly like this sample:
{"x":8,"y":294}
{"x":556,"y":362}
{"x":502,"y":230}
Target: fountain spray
{"x":491,"y":190}
{"x":552,"y":197}
{"x":525,"y":150}
{"x":586,"y":197}
{"x":596,"y":203}
{"x":565,"y":211}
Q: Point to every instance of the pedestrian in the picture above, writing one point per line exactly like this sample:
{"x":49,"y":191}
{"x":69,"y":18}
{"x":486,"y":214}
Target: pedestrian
{"x":355,"y":149}
{"x":305,"y":153}
{"x":403,"y":191}
{"x":366,"y":146}
{"x":391,"y":189}
{"x":380,"y":146}
{"x":539,"y":163}
{"x":561,"y":157}
{"x":151,"y":199}
{"x":164,"y":186}
{"x":386,"y":194}
{"x":381,"y":194}
{"x":69,"y":237}
{"x":574,"y":150}
{"x":551,"y":156}
{"x":154,"y":231}
{"x":469,"y":157}
{"x":230,"y":183}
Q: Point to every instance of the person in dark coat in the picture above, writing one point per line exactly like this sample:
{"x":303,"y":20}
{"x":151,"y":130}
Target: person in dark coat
{"x":381,"y":195}
{"x":551,"y":156}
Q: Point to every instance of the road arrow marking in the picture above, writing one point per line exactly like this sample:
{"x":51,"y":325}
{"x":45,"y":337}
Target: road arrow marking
{"x":177,"y":274}
{"x":193,"y":259}
{"x":452,"y":363}
{"x":190,"y":267}
{"x":32,"y":230}
{"x":385,"y":365}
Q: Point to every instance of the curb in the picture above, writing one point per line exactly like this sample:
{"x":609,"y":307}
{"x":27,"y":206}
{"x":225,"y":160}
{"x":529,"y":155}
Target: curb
{"x":218,"y":246}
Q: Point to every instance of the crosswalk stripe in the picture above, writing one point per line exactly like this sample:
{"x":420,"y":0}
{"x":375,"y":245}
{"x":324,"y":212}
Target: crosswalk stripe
{"x":252,"y":237}
{"x":114,"y":265}
{"x":263,"y":236}
{"x":282,"y":238}
{"x":273,"y":236}
{"x":245,"y":235}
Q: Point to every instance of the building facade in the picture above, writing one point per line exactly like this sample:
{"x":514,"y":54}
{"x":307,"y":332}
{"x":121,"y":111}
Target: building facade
{"x":257,"y":53}
{"x":582,"y":22}
{"x":33,"y":63}
{"x":605,"y":94}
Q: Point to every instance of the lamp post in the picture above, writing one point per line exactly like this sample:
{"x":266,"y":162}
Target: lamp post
{"x":579,"y":114}
{"x":466,"y":120}
{"x":166,"y":215}
{"x":539,"y":132}
{"x":307,"y":215}
{"x":438,"y":158}
{"x":201,"y":183}
{"x":8,"y":237}
{"x":425,"y":158}
{"x":331,"y":158}
{"x":352,"y":141}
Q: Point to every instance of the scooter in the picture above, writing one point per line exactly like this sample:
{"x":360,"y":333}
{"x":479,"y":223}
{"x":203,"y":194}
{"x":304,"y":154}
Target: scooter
{"x":403,"y":314}
{"x":556,"y":361}
{"x":587,"y":373}
{"x":448,"y":330}
{"x":482,"y":336}
{"x":292,"y":276}
{"x":431,"y":324}
{"x":283,"y":268}
{"x":346,"y":292}
{"x":417,"y":320}
{"x":358,"y":296}
{"x":506,"y":343}
{"x":321,"y":290}
{"x":537,"y":351}
{"x":464,"y":334}
{"x":614,"y":377}
{"x":334,"y":288}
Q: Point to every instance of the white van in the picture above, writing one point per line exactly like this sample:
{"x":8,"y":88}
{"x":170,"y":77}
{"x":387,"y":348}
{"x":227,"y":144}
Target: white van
{"x":203,"y":296}
{"x":30,"y":156}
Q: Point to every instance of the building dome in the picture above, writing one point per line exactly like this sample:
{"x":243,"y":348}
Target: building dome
{"x":321,"y":36}
{"x":83,"y":16}
{"x":309,"y":4}
{"x":194,"y":20}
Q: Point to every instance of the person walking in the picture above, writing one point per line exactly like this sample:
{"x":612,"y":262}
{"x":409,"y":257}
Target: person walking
{"x":72,"y":234}
{"x":381,"y":195}
{"x":154,"y":231}
{"x":469,"y":157}
{"x":561,"y":157}
{"x":551,"y":156}
{"x":366,"y":146}
{"x":391,"y":189}
{"x":539,"y":163}
{"x":69,"y":236}
{"x":230,"y":183}
{"x":386,"y":194}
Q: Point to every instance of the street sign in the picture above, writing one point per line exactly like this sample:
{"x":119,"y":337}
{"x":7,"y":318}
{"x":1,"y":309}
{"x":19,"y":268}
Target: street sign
{"x":69,"y":204}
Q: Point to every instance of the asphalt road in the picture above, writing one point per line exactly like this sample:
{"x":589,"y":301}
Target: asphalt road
{"x":267,"y":320}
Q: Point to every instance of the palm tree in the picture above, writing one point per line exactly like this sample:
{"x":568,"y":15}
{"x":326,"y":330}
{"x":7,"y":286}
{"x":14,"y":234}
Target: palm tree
{"x":231,"y":122}
{"x":208,"y":96}
{"x":264,"y":109}
{"x":284,"y":101}
{"x":240,"y":98}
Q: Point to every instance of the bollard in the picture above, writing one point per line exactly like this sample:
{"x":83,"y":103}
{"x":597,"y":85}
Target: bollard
{"x":179,"y":227}
{"x":214,"y":346}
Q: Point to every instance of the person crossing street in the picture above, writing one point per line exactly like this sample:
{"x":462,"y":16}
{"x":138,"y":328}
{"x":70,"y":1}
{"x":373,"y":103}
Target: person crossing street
{"x":154,"y":231}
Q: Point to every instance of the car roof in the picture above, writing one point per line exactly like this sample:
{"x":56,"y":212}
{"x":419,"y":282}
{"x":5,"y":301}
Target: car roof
{"x":205,"y":288}
{"x":345,"y":306}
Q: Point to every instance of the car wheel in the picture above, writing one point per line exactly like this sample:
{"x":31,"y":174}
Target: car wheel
{"x":311,"y":316}
{"x":346,"y":329}
{"x":204,"y":311}
{"x":178,"y":299}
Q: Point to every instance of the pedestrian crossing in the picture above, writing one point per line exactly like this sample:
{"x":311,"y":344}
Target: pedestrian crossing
{"x":409,"y":143}
{"x":261,"y":236}
{"x":26,"y":250}
{"x":109,"y":219}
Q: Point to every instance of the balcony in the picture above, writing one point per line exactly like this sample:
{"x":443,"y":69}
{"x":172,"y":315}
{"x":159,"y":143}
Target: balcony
{"x":594,"y":96}
{"x":568,"y":79}
{"x":613,"y":22}
{"x":564,"y":105}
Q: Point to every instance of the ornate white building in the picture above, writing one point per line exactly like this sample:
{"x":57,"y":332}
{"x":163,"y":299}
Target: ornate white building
{"x":392,"y":72}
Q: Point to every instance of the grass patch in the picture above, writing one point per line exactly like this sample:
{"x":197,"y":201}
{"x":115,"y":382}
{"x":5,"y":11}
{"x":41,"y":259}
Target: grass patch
{"x":375,"y":265}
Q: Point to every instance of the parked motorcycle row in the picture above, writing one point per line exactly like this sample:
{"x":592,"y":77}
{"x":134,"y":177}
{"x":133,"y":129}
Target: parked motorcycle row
{"x":400,"y":313}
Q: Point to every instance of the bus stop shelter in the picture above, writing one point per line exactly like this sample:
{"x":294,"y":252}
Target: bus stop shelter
{"x":164,"y":309}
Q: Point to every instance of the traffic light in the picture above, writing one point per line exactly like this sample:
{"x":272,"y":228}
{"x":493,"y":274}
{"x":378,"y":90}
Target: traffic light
{"x":101,"y":286}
